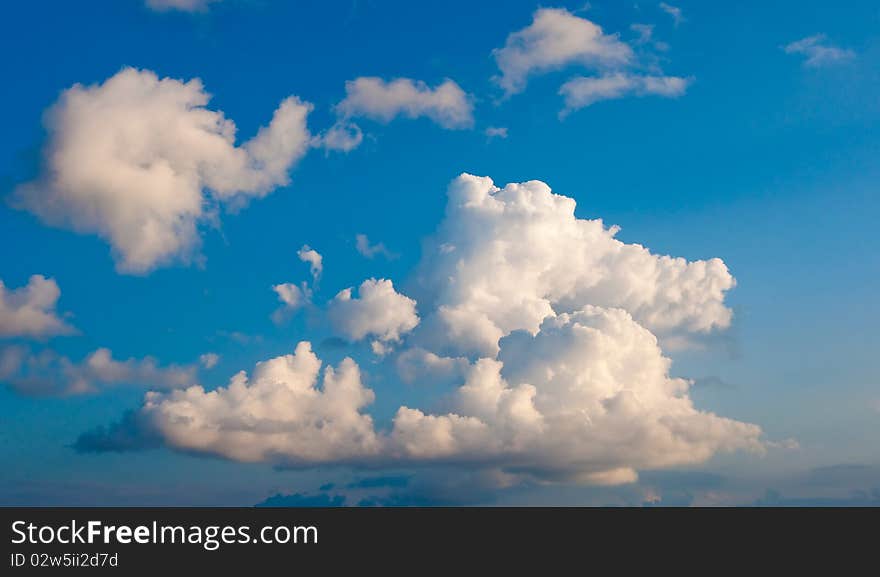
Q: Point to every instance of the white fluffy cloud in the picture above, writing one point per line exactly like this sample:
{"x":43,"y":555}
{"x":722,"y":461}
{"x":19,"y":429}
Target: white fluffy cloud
{"x":343,"y":136}
{"x":291,"y":295}
{"x":279,"y":414}
{"x":588,"y":398}
{"x":819,"y":51}
{"x":504,"y":259}
{"x":292,"y":299}
{"x":378,"y":311}
{"x":46,"y":373}
{"x":584,"y":91}
{"x":540,"y":324}
{"x":182,"y":5}
{"x":556,"y":38}
{"x":314,"y":259}
{"x":29,"y":311}
{"x":446,"y":104}
{"x":141,"y":162}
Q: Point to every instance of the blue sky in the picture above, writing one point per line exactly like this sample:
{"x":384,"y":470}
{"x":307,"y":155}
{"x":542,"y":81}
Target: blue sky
{"x":765,"y":159}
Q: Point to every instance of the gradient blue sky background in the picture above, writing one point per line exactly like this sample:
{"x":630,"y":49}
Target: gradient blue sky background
{"x":765,"y":162}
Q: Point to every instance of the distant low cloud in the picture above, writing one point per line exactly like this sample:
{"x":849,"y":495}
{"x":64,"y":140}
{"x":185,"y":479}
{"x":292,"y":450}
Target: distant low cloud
{"x":365,"y":248}
{"x":46,"y":373}
{"x":819,"y":52}
{"x":558,"y":39}
{"x":446,"y":104}
{"x":141,"y":161}
{"x":209,"y":360}
{"x":29,"y":311}
{"x":303,"y":500}
{"x":584,"y":91}
{"x":495,"y":132}
{"x":645,"y":32}
{"x":181,"y":5}
{"x":370,"y":97}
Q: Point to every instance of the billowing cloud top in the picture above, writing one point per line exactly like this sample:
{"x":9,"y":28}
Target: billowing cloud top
{"x":278,"y":415}
{"x":504,"y":259}
{"x":140,"y":161}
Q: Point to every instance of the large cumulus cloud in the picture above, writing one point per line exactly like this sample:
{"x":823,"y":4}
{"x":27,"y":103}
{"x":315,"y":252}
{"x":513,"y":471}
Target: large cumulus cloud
{"x":279,"y":414}
{"x":587,"y":398}
{"x":141,"y":161}
{"x":506,"y":258}
{"x":558,"y":372}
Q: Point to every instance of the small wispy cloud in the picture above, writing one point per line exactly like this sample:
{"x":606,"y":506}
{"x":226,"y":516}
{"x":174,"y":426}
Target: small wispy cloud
{"x":181,"y":5}
{"x":819,"y":51}
{"x":493,"y":132}
{"x":363,"y":245}
{"x":673,"y":11}
{"x":209,"y":360}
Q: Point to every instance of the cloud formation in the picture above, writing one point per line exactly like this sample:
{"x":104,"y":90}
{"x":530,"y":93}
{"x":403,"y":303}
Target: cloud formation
{"x":370,"y":97}
{"x":503,"y":259}
{"x":209,"y":360}
{"x":363,"y":246}
{"x":495,"y":132}
{"x":819,"y":51}
{"x":585,"y":90}
{"x":29,"y":311}
{"x":556,"y":38}
{"x":314,"y":260}
{"x":378,"y":311}
{"x":142,"y":162}
{"x":292,"y":299}
{"x":588,"y":398}
{"x":540,"y":330}
{"x":343,"y":136}
{"x":279,"y":414}
{"x":46,"y":373}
